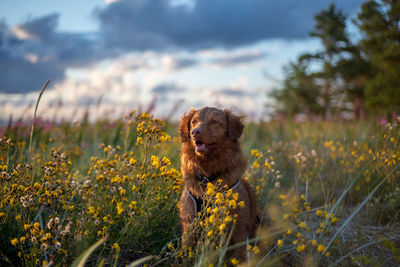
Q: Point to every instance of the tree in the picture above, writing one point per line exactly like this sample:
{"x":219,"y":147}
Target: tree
{"x":351,"y":75}
{"x":299,"y":93}
{"x":323,"y":91}
{"x":379,"y":22}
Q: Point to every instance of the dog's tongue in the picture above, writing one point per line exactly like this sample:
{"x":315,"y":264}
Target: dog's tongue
{"x":201,"y":147}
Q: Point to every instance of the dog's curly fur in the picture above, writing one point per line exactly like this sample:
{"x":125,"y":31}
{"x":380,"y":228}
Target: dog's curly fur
{"x":210,"y":145}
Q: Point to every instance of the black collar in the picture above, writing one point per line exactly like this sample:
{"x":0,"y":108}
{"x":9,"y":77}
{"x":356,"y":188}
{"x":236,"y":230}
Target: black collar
{"x":207,"y":179}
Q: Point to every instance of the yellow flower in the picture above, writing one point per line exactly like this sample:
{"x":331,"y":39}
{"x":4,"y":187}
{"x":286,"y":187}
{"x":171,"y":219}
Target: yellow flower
{"x":190,"y":253}
{"x":326,"y":214}
{"x":210,"y":189}
{"x":232,"y":203}
{"x":318,"y":213}
{"x":254,"y":152}
{"x":171,"y":246}
{"x":235,"y":196}
{"x":256,"y":250}
{"x":139,"y":140}
{"x":91,"y":210}
{"x":166,"y":161}
{"x":155,"y":162}
{"x":314,"y":243}
{"x":300,"y":248}
{"x":120,"y":209}
{"x":165,"y":138}
{"x":222,"y":226}
{"x":210,"y":233}
{"x":267,"y":165}
{"x":116,"y":247}
{"x":241,"y":204}
{"x":279,"y":243}
{"x":228,"y":219}
{"x":37,"y":186}
{"x":302,"y":225}
{"x":321,"y":248}
{"x":234,"y":261}
{"x":14,"y":241}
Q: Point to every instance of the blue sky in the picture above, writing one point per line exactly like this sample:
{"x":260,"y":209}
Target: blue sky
{"x":126,"y":53}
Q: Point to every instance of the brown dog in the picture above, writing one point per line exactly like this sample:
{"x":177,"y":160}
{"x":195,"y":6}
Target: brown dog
{"x":211,"y":151}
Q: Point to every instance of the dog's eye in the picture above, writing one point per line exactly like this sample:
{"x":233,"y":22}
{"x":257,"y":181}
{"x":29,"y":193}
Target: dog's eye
{"x":194,"y":121}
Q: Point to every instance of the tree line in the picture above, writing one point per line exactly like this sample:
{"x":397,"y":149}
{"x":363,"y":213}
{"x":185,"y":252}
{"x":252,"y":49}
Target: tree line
{"x":353,"y":75}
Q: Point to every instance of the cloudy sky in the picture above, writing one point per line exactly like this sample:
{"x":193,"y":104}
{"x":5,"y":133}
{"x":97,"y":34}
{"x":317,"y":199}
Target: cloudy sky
{"x":111,"y":56}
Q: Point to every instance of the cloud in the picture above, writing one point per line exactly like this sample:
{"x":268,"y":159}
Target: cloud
{"x":231,"y":92}
{"x":33,"y":52}
{"x":42,"y":28}
{"x":242,"y":58}
{"x":20,"y":76}
{"x":166,"y":88}
{"x":167,"y":93}
{"x":173,"y":63}
{"x":160,"y":25}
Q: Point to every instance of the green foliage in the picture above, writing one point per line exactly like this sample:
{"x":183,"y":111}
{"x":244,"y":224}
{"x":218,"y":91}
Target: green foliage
{"x":380,"y":24}
{"x":352,"y":75}
{"x":308,"y":178}
{"x":300,"y":88}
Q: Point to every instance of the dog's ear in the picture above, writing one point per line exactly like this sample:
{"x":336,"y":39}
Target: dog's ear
{"x":184,"y":127}
{"x":234,"y":125}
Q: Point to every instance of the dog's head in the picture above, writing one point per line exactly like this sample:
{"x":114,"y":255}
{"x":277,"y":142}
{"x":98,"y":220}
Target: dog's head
{"x":209,"y":129}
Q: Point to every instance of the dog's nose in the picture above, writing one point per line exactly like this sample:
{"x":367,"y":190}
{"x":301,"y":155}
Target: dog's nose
{"x":196,"y":132}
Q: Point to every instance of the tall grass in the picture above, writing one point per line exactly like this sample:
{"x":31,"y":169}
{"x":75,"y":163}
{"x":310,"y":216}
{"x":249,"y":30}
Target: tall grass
{"x":323,"y":185}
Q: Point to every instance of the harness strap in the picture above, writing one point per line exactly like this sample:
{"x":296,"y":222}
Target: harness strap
{"x":204,"y":179}
{"x":197,"y":202}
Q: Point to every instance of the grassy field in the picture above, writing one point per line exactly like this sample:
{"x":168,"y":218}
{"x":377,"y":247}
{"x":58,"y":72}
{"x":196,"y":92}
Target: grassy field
{"x":331,"y":190}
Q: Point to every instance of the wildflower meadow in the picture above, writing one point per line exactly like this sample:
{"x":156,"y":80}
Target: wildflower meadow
{"x":106,"y":194}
